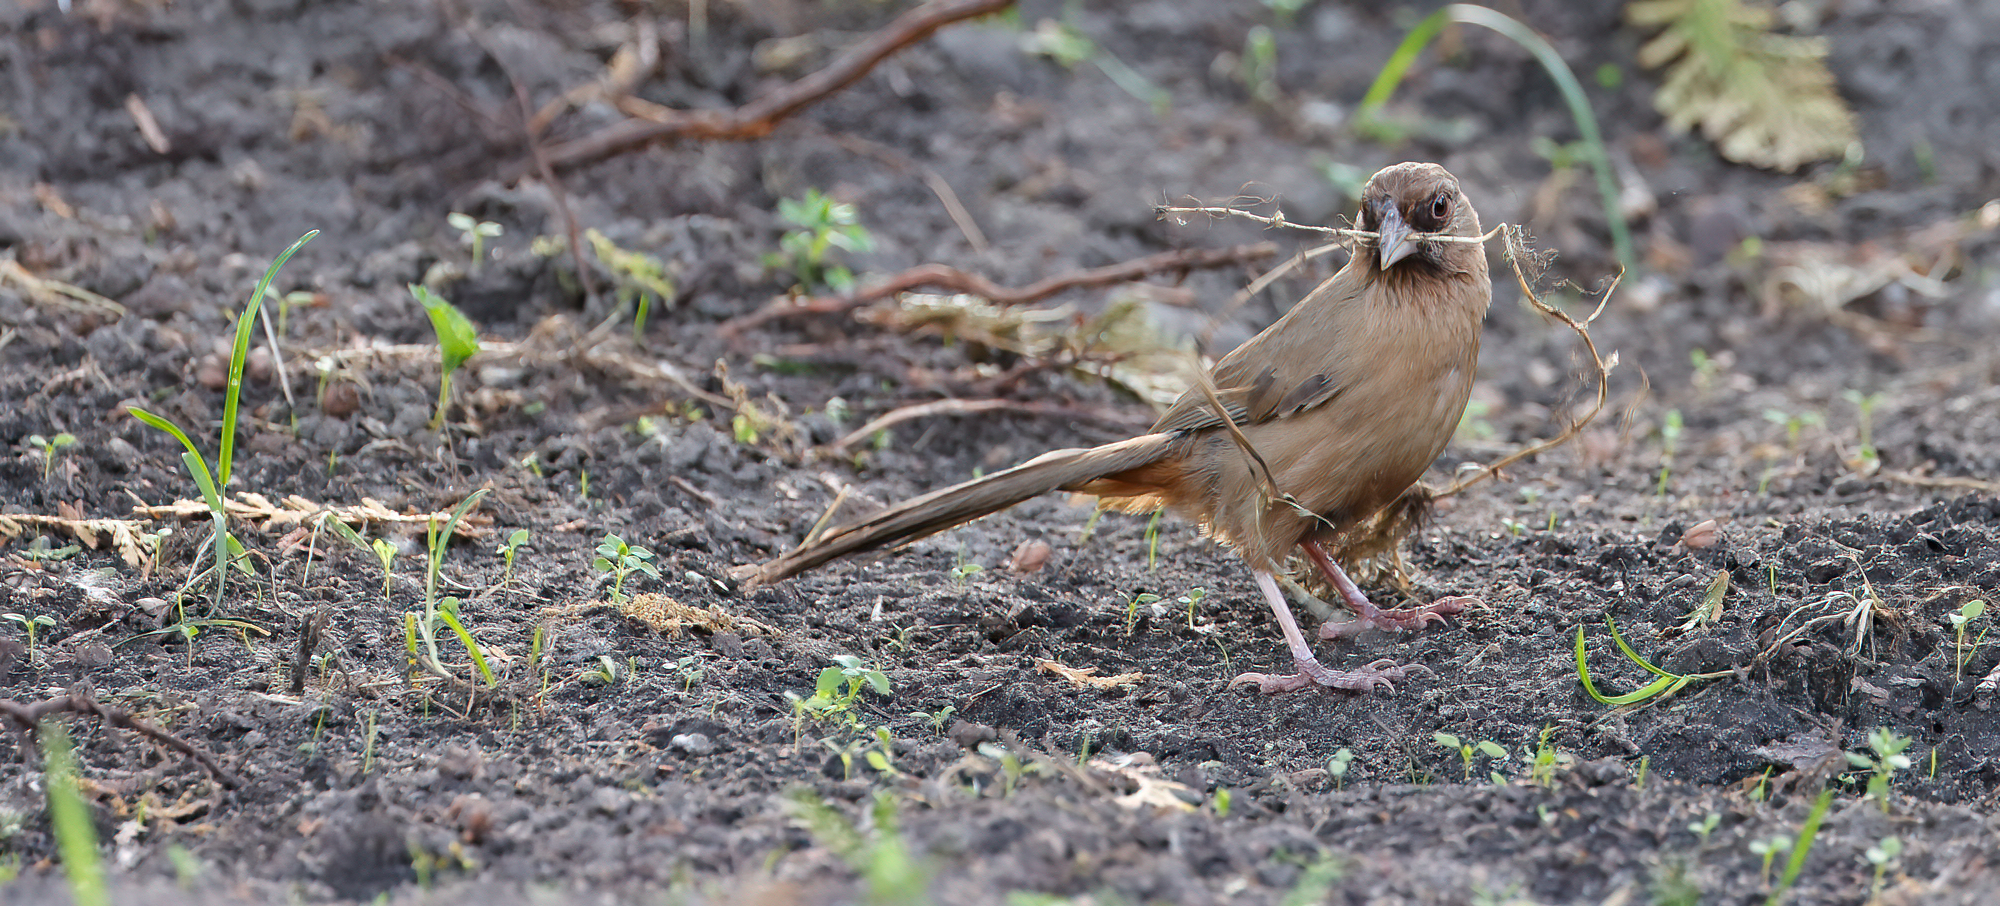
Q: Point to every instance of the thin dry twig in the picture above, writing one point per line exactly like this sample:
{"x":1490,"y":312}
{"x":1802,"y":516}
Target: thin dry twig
{"x":28,"y":719}
{"x":951,"y":279}
{"x":758,"y":118}
{"x":946,"y":407}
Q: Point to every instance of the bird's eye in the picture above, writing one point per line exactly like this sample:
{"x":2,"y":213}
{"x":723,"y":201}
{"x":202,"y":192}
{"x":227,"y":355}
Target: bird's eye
{"x":1441,"y":207}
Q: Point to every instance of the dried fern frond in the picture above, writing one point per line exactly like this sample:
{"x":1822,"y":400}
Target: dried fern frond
{"x":1764,"y":99}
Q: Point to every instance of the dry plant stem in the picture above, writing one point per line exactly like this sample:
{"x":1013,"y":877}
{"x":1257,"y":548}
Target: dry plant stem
{"x":951,"y":279}
{"x":757,"y":118}
{"x":28,"y":717}
{"x":945,"y":407}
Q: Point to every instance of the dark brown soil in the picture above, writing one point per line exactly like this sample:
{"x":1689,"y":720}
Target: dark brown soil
{"x":628,"y":761}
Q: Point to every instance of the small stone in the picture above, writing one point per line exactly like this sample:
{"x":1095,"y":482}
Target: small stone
{"x":693,"y":743}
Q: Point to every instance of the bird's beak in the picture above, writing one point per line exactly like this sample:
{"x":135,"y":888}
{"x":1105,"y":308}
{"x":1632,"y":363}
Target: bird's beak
{"x":1392,"y":238}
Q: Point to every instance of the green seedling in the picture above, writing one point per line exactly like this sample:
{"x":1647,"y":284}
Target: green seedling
{"x":964,"y":570}
{"x":507,"y":551}
{"x":1705,"y":369}
{"x":1710,"y":608}
{"x":1192,"y":599}
{"x":640,"y":280}
{"x":1802,"y":847}
{"x":1465,"y":750}
{"x":1368,"y":117}
{"x":1867,"y":459}
{"x":1132,"y":604}
{"x":29,"y":625}
{"x":1068,"y":46}
{"x":227,"y":550}
{"x":1882,"y":855}
{"x":1665,"y":684}
{"x":690,"y":671}
{"x":1706,"y":826}
{"x":1221,"y":802}
{"x":937,"y":719}
{"x":891,"y":874}
{"x":1768,"y":849}
{"x":1259,"y":68}
{"x":1670,"y":439}
{"x":821,"y":226}
{"x":1011,"y":768}
{"x":845,"y":752}
{"x":298,"y":298}
{"x":1544,"y":760}
{"x":69,"y":819}
{"x":1794,"y":425}
{"x":618,"y":559}
{"x":1515,"y":527}
{"x":837,"y":693}
{"x":1969,"y":611}
{"x":47,"y":448}
{"x":457,"y":341}
{"x":883,"y":757}
{"x":420,"y":630}
{"x":1153,"y":540}
{"x":474,"y":233}
{"x":1884,"y":758}
{"x":1338,"y":764}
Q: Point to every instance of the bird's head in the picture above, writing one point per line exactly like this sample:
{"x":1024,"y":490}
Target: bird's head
{"x":1407,"y":200}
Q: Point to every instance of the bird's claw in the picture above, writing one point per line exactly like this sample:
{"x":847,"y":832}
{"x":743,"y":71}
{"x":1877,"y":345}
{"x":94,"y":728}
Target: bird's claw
{"x":1397,"y":620}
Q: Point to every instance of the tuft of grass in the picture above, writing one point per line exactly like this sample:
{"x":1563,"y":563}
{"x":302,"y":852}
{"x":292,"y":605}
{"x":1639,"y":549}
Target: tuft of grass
{"x":1427,"y":30}
{"x":227,"y":550}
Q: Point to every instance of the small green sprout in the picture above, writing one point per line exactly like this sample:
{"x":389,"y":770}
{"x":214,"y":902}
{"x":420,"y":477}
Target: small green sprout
{"x":457,"y":341}
{"x":1706,"y":826}
{"x":1969,"y":611}
{"x":641,"y":280}
{"x":1670,"y":439}
{"x":1466,"y":750}
{"x":1867,"y":458}
{"x":837,"y":692}
{"x":474,"y":233}
{"x":1768,"y":848}
{"x":1882,"y":855}
{"x":1193,"y":599}
{"x":822,"y":225}
{"x":507,"y":551}
{"x":48,"y":447}
{"x":1338,"y":764}
{"x":69,"y":819}
{"x":1802,"y":847}
{"x":937,"y":719}
{"x":1132,"y":603}
{"x":1545,"y":759}
{"x":690,"y":671}
{"x":29,"y":625}
{"x":1221,"y":802}
{"x":965,"y":569}
{"x":618,"y":560}
{"x":1886,"y":759}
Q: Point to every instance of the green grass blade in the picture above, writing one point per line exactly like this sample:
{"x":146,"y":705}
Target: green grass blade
{"x":1660,"y":686}
{"x":465,"y":638}
{"x":1802,"y":847}
{"x":1428,"y":29}
{"x":241,"y":351}
{"x":196,"y":466}
{"x":442,"y":540}
{"x":69,"y":818}
{"x":1633,"y":656}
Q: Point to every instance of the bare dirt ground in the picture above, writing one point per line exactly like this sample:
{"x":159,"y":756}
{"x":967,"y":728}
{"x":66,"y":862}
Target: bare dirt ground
{"x":158,"y":156}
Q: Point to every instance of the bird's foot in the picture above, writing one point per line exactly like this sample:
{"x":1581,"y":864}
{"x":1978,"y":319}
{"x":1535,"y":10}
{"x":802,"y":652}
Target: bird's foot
{"x":1383,"y":674}
{"x":1368,"y":616}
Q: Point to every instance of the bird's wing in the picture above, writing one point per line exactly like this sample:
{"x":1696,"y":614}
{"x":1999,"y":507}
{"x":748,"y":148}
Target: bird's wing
{"x":1274,"y":375}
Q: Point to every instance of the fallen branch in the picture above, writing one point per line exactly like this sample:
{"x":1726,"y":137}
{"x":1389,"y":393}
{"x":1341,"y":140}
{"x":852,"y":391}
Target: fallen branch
{"x":757,"y":118}
{"x":28,"y":718}
{"x":951,"y":279}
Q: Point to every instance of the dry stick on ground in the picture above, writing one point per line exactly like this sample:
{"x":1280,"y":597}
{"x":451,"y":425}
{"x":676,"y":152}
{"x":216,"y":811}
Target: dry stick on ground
{"x":28,"y":718}
{"x":950,"y":407}
{"x":951,"y":279}
{"x":757,"y":118}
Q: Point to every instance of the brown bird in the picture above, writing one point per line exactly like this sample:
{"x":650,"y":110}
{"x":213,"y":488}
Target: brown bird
{"x":1345,"y":401}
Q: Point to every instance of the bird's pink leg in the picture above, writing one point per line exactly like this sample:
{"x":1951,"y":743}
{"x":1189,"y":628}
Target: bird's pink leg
{"x":1311,"y":673}
{"x":1366,"y":614}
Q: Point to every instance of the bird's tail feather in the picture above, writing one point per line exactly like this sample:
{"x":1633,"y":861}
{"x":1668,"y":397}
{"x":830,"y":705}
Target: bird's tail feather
{"x":961,"y":503}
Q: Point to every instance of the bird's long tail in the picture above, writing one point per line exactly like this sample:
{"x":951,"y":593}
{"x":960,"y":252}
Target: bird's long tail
{"x":961,"y":503}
